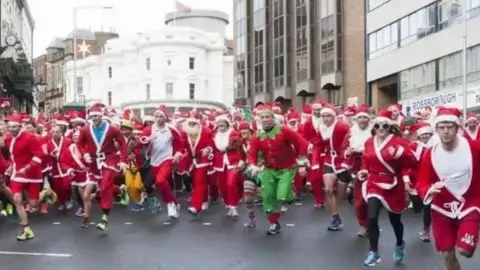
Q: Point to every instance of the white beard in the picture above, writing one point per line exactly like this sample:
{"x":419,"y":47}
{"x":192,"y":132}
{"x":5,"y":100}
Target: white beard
{"x":327,"y":132}
{"x":317,"y":123}
{"x":222,"y":140}
{"x":191,"y":130}
{"x":259,"y":125}
{"x":359,"y":136}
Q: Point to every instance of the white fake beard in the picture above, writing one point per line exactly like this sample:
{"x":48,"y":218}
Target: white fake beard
{"x":317,"y":122}
{"x":222,"y":139}
{"x":359,"y":136}
{"x":191,"y":130}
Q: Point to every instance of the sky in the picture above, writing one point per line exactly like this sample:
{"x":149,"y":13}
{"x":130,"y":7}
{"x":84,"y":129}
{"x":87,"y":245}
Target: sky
{"x":128,"y":17}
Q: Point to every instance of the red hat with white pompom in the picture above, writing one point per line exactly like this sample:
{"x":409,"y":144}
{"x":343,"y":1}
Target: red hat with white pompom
{"x":451,"y":115}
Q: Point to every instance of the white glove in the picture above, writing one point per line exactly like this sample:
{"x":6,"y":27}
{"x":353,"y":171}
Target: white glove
{"x":88,"y":158}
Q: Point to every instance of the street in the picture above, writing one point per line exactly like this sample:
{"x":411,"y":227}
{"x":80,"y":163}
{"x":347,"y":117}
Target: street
{"x":147,"y":241}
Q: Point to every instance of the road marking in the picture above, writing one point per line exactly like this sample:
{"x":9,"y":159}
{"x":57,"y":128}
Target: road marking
{"x":290,"y":225}
{"x":59,"y":255}
{"x":56,"y":223}
{"x":92,"y":223}
{"x":166,"y":223}
{"x":207,"y":224}
{"x":298,"y":203}
{"x":128,"y":223}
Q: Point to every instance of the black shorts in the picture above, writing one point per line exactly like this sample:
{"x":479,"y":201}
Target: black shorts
{"x":343,"y":176}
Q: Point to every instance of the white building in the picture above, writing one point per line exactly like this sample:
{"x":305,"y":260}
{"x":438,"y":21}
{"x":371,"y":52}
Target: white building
{"x":179,"y":66}
{"x":415,"y":52}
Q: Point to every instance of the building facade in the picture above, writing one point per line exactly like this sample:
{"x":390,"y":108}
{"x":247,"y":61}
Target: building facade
{"x":40,"y":82}
{"x":415,"y":53}
{"x":16,"y":54}
{"x":294,"y":51}
{"x":60,"y":51}
{"x":180,"y":66}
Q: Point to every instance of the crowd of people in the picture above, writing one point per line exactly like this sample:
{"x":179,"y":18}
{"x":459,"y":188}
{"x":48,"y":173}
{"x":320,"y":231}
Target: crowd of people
{"x":383,"y":160}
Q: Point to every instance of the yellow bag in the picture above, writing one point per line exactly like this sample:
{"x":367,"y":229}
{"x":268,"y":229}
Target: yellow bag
{"x":133,"y":181}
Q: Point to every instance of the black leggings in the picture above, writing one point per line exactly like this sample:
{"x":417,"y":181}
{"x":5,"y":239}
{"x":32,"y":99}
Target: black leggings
{"x":147,"y":179}
{"x":418,"y":207}
{"x":374,"y":207}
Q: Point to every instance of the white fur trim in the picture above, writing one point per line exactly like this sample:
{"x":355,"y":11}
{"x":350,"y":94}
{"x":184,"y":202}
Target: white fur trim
{"x":279,"y":118}
{"x":424,"y":130}
{"x":95,"y":114}
{"x":160,"y":112}
{"x":136,"y":131}
{"x":148,"y":118}
{"x":37,"y":159}
{"x":61,"y":122}
{"x":399,"y":152}
{"x":446,"y":118}
{"x":193,"y":120}
{"x":223,"y":118}
{"x":316,"y":106}
{"x":381,"y":119}
{"x":87,"y":157}
{"x":327,"y":110}
{"x":78,"y":119}
{"x":346,"y":166}
{"x":361,"y":172}
{"x":12,"y":123}
{"x":406,"y":179}
{"x":362,"y":114}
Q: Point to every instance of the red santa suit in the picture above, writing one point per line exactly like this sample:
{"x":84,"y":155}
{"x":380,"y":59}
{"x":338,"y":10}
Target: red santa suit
{"x":103,"y":152}
{"x":386,"y":165}
{"x":311,"y":133}
{"x":74,"y":165}
{"x":25,"y":151}
{"x":456,"y":205}
{"x":470,"y":132}
{"x":61,"y":180}
{"x":418,"y":148}
{"x":356,"y":144}
{"x":293,"y":122}
{"x":164,"y":144}
{"x":229,"y":155}
{"x":200,"y":156}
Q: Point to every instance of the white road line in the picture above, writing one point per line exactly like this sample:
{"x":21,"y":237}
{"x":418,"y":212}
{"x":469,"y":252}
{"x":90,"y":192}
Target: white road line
{"x":206,"y":224}
{"x":290,"y":225}
{"x":128,"y":223}
{"x":58,"y":255}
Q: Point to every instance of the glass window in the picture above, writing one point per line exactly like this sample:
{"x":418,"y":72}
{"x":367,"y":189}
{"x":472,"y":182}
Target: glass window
{"x":417,"y":80}
{"x":79,"y":85}
{"x":191,"y":91}
{"x":147,"y":90}
{"x":373,"y":4}
{"x":169,"y":90}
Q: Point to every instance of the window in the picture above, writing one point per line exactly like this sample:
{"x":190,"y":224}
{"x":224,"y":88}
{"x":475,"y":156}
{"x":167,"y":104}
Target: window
{"x":148,"y":91}
{"x":169,"y":90}
{"x":418,"y":80}
{"x":373,"y":4}
{"x":191,"y":63}
{"x":147,"y":63}
{"x":473,"y":63}
{"x":169,"y":62}
{"x":109,"y":98}
{"x":110,"y":72}
{"x":79,"y":85}
{"x":191,"y":91}
{"x":327,"y":8}
{"x":383,"y":41}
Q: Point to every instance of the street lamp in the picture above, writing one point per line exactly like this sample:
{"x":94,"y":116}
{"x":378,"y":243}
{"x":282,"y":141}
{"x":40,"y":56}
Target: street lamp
{"x":464,"y":52}
{"x":75,"y":10}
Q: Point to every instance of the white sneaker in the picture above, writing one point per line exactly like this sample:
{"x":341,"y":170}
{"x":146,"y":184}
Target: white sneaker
{"x":234,"y":212}
{"x":204,"y":206}
{"x":69,"y":205}
{"x":172,"y":209}
{"x":229,"y":212}
{"x":284,"y":209}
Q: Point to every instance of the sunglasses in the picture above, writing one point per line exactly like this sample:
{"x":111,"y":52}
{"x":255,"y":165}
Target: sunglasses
{"x":383,"y":126}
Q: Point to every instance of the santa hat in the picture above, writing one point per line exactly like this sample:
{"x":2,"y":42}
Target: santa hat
{"x":96,"y":110}
{"x":363,"y":110}
{"x":396,"y":106}
{"x":223,"y":117}
{"x":41,"y":119}
{"x":293,"y":116}
{"x":15,"y":119}
{"x":317,"y":104}
{"x":448,"y":115}
{"x":127,"y":114}
{"x":328,"y":109}
{"x":350,"y":110}
{"x":244,"y":126}
{"x":137,"y":128}
{"x":384,"y":116}
{"x":76,"y":117}
{"x":162,"y":110}
{"x":421,"y":128}
{"x":307,"y":110}
{"x":472,"y":117}
{"x":148,"y":118}
{"x":60,"y":120}
{"x":194,"y":117}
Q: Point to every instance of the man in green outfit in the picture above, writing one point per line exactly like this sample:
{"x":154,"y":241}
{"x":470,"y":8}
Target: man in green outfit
{"x":283,"y":151}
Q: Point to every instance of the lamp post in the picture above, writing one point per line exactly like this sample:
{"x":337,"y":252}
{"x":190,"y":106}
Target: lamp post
{"x":75,"y":10}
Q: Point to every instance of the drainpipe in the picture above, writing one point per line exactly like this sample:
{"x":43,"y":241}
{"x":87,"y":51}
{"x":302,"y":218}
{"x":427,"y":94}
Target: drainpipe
{"x":368,"y":94}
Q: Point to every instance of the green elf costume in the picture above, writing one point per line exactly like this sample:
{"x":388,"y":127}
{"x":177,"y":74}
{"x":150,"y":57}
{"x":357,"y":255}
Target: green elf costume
{"x":283,"y":150}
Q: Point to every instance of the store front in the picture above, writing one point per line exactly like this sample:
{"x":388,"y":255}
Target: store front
{"x":448,"y":97}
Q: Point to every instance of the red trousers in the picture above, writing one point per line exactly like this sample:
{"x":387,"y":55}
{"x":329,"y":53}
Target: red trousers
{"x":315,"y":177}
{"x":200,"y":187}
{"x":213,"y":185}
{"x":228,"y":181}
{"x":360,"y":205}
{"x":108,"y":189}
{"x":162,"y":174}
{"x":62,"y":186}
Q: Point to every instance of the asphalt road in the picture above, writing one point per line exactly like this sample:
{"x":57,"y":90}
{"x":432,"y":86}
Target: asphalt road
{"x":142,"y":241}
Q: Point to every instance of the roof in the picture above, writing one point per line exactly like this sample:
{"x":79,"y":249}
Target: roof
{"x":56,"y":43}
{"x":83,"y":34}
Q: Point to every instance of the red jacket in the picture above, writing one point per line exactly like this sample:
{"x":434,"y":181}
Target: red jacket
{"x":25,"y":149}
